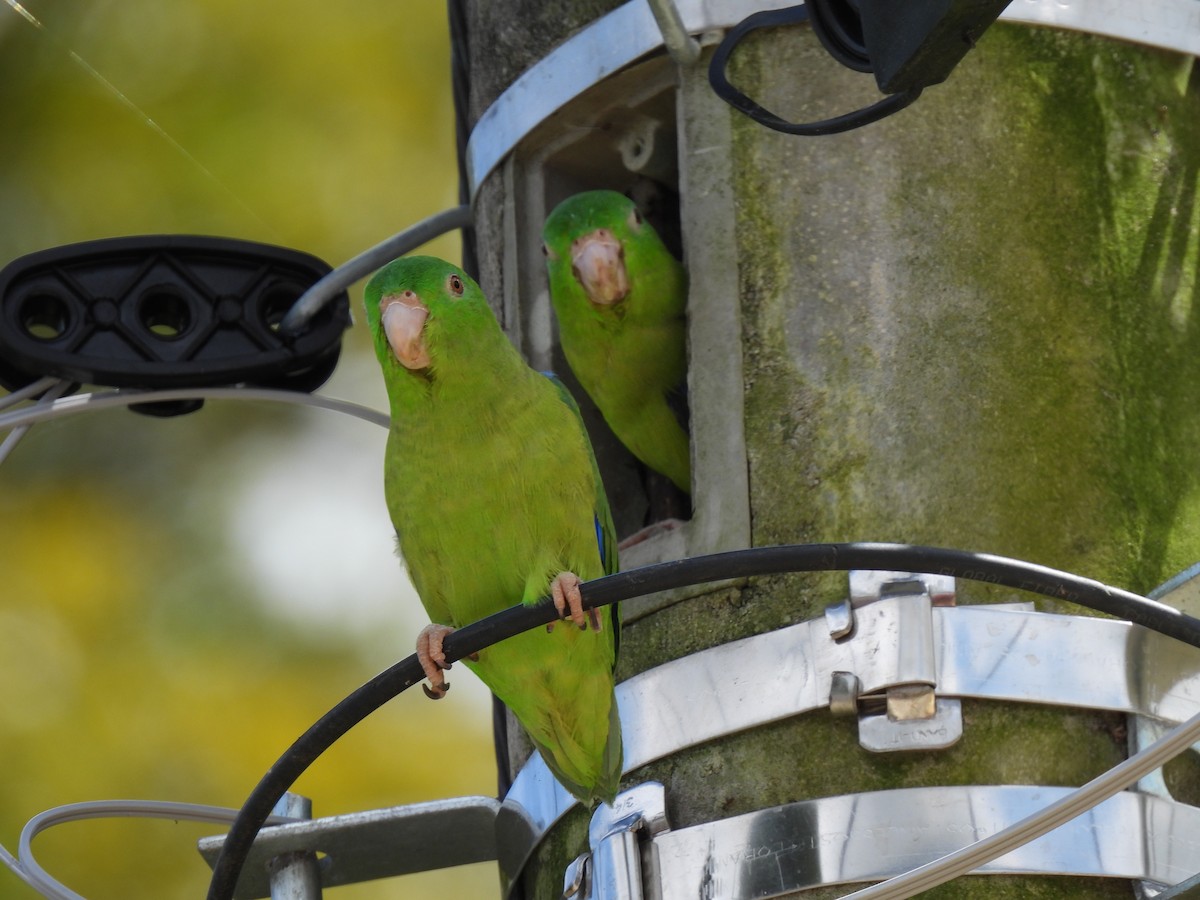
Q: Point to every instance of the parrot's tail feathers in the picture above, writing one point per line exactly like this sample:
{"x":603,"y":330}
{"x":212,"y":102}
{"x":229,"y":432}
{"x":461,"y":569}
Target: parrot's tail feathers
{"x":578,"y":791}
{"x":614,"y":758}
{"x":607,"y":776}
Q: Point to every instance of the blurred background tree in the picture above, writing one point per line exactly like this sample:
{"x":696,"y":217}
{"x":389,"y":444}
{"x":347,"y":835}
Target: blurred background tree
{"x":182,"y":597}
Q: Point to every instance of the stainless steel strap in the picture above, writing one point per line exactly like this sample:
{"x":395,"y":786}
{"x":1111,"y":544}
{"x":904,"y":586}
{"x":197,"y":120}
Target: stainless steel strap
{"x":979,"y":652}
{"x":874,"y":836}
{"x":630,"y":32}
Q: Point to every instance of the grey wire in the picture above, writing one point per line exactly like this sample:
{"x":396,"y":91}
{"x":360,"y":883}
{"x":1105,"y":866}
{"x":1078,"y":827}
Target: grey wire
{"x":311,"y":301}
{"x":52,"y":406}
{"x":107,"y":400}
{"x":684,"y":48}
{"x":1099,"y":789}
{"x":14,"y":866}
{"x":30,"y":390}
{"x":30,"y":871}
{"x":58,"y":387}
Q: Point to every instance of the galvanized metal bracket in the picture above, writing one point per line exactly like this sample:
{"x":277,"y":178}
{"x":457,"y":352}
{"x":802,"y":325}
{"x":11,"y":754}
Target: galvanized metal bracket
{"x":995,"y":652}
{"x":870,"y":836}
{"x":1183,"y":593}
{"x":905,"y":713}
{"x":612,"y":869}
{"x":377,"y":843}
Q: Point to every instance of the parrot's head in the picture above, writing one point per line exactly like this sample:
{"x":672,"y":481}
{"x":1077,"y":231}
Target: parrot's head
{"x":421,"y":311}
{"x":585,"y":238}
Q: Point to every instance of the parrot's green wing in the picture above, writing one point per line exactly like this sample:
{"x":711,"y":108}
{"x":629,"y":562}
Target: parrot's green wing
{"x":606,"y":543}
{"x":606,"y":539}
{"x":606,"y":533}
{"x":621,"y":299}
{"x":493,"y":490}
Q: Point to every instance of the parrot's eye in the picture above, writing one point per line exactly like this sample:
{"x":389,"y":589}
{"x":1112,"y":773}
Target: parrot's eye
{"x":456,"y":285}
{"x":635,"y":219}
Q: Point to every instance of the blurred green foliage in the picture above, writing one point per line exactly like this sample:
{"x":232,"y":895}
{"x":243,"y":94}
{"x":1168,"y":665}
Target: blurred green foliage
{"x":138,"y":658}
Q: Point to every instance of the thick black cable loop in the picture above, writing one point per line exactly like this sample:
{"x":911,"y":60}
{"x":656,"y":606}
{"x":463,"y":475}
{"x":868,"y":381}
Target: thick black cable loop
{"x":665,"y":576}
{"x":791,"y":16}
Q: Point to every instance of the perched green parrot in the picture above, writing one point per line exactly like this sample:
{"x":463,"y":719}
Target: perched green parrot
{"x":495,"y":496}
{"x":621,"y":298}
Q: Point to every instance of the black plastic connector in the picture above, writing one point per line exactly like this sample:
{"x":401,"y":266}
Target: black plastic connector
{"x":918,"y":43}
{"x":908,"y":46}
{"x":166,"y":311}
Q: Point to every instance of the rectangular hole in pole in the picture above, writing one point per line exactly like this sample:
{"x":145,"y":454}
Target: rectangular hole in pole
{"x":619,"y":136}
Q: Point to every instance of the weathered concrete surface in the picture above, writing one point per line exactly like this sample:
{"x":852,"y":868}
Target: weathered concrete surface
{"x":972,"y":325}
{"x":508,"y":36}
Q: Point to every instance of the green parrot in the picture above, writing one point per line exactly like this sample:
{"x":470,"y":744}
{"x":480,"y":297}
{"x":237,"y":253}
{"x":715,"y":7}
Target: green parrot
{"x":496,"y":498}
{"x":620,"y":298}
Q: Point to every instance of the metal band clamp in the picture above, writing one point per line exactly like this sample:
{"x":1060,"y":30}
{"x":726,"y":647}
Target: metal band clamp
{"x":984,"y":652}
{"x":631,"y":32}
{"x":876,"y":835}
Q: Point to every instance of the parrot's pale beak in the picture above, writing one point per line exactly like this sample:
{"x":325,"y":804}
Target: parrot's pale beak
{"x":403,"y":316}
{"x":598,"y":261}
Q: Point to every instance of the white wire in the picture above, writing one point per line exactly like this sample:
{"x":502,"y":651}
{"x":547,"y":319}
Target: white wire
{"x":56,"y":390}
{"x":14,"y":866}
{"x":1096,"y":791}
{"x":95,"y":402}
{"x":28,"y":869}
{"x":30,"y":390}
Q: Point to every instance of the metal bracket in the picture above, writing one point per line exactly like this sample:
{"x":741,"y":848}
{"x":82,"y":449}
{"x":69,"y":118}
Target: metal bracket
{"x":997,"y":652}
{"x":295,"y":875}
{"x":1182,"y":592}
{"x":868,"y":837}
{"x":613,"y":868}
{"x":377,"y":843}
{"x":632,"y":31}
{"x":906,"y":714}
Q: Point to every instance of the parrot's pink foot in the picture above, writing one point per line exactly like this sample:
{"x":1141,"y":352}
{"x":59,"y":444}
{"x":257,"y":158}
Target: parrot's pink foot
{"x":564,"y":591}
{"x":649,"y":531}
{"x":433,"y":659}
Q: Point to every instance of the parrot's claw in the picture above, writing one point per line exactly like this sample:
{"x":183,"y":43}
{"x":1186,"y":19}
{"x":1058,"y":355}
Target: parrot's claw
{"x":433,"y":659}
{"x":648,"y":532}
{"x":564,"y":591}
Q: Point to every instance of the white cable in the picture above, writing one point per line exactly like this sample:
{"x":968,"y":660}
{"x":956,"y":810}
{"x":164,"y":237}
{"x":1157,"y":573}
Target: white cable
{"x":1096,"y":791}
{"x":14,"y":866}
{"x":124,"y":397}
{"x":28,"y":869}
{"x":56,"y":390}
{"x":30,"y":390}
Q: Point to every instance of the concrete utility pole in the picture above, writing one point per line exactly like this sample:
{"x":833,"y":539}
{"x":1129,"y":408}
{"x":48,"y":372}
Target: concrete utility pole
{"x":971,"y":325}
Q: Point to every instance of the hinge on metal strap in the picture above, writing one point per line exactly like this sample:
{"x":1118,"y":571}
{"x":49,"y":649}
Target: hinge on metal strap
{"x":905,"y":713}
{"x":613,"y":868}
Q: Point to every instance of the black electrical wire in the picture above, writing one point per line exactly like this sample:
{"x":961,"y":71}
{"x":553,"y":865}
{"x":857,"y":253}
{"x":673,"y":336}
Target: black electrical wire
{"x":665,"y":576}
{"x":739,"y":101}
{"x":460,"y":86}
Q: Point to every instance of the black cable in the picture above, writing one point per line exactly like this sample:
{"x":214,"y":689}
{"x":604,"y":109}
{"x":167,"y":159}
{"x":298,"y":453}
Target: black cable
{"x":739,"y":101}
{"x":460,"y":86}
{"x":664,"y":576}
{"x":839,"y":28}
